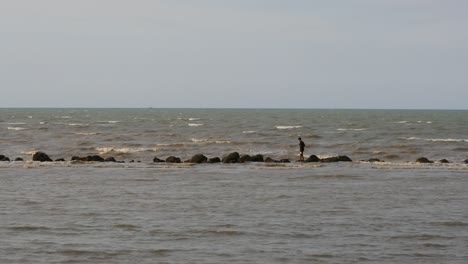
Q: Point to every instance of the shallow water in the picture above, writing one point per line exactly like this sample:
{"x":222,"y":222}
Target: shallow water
{"x":333,"y":213}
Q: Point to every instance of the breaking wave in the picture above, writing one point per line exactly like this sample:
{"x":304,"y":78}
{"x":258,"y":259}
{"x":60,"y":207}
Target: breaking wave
{"x":17,"y":128}
{"x":288,"y":127}
{"x":195,"y":124}
{"x":437,"y":139}
{"x":107,"y":150}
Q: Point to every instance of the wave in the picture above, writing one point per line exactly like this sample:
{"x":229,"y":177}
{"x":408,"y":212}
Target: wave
{"x":249,"y":132}
{"x":17,"y":128}
{"x":193,"y":119}
{"x":30,"y":152}
{"x":202,"y":140}
{"x":437,"y":139}
{"x":78,"y":124}
{"x":85,"y":133}
{"x":288,"y":127}
{"x":401,"y":122}
{"x":351,"y":129}
{"x":107,"y":150}
{"x":195,"y":124}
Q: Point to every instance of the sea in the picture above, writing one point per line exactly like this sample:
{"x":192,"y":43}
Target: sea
{"x":139,"y":211}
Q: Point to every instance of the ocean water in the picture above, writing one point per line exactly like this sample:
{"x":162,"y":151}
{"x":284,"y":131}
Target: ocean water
{"x":396,"y":211}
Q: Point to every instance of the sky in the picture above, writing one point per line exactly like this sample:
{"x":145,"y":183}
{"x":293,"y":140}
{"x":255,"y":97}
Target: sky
{"x":384,"y":54}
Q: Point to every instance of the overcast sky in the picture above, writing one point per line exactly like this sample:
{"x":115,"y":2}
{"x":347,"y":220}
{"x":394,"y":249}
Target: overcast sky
{"x":238,"y":53}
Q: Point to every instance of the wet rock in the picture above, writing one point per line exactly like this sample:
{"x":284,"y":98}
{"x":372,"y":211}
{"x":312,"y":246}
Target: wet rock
{"x":444,"y":161}
{"x":284,"y":161}
{"x":313,"y":158}
{"x":75,"y":158}
{"x":270,"y":160}
{"x":257,"y":158}
{"x":466,"y":161}
{"x":336,"y":159}
{"x":4,"y":158}
{"x":19,"y":159}
{"x":344,"y":159}
{"x":424,"y":160}
{"x":245,"y":158}
{"x":41,"y":156}
{"x":198,"y":158}
{"x":232,"y":158}
{"x":214,"y":160}
{"x":374,"y":160}
{"x":110,"y":159}
{"x":173,"y":159}
{"x":60,"y":160}
{"x":95,"y":158}
{"x":158,"y":160}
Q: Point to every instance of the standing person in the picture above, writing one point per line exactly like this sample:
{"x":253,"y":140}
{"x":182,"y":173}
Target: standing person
{"x":301,"y":149}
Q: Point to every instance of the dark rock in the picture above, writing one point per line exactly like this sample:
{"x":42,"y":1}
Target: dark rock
{"x":132,"y":161}
{"x":173,"y":159}
{"x":257,"y":158}
{"x":374,"y":160}
{"x":110,"y":159}
{"x":284,"y":161}
{"x":344,"y":159}
{"x":424,"y":160}
{"x":41,"y":156}
{"x":444,"y":161}
{"x":60,"y":160}
{"x":232,"y":158}
{"x":214,"y":160}
{"x":270,"y":160}
{"x":466,"y":161}
{"x":158,"y":160}
{"x":95,"y":158}
{"x":313,"y":158}
{"x":75,"y":158}
{"x":330,"y":159}
{"x":245,"y":158}
{"x":4,"y":158}
{"x":199,"y":158}
{"x":19,"y":159}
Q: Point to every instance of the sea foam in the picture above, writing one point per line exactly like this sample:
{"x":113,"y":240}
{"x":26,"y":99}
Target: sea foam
{"x":288,"y":127}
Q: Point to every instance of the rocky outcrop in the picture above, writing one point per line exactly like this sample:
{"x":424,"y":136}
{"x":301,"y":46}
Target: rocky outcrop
{"x":199,"y":158}
{"x":157,"y":160}
{"x":41,"y":156}
{"x":60,"y":160}
{"x":424,"y":160}
{"x":336,"y":159}
{"x":95,"y":158}
{"x":466,"y":161}
{"x":19,"y":159}
{"x":214,"y":160}
{"x":444,"y":161}
{"x":173,"y":159}
{"x":4,"y":158}
{"x":245,"y":158}
{"x":232,"y":158}
{"x":257,"y":158}
{"x":270,"y":160}
{"x":313,"y":158}
{"x":110,"y":159}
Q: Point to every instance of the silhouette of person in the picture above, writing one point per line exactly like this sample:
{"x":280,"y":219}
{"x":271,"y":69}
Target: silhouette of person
{"x":301,"y":149}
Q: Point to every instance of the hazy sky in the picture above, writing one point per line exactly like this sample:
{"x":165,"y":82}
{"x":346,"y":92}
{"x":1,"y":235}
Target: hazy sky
{"x":237,"y":53}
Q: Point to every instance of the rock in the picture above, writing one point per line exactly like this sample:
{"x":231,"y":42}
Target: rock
{"x":75,"y":158}
{"x":19,"y":159}
{"x":270,"y":160}
{"x":41,"y":156}
{"x":284,"y":161}
{"x":4,"y":158}
{"x":110,"y":159}
{"x":95,"y":158}
{"x":231,"y":158}
{"x":199,"y":158}
{"x":424,"y":160}
{"x":336,"y":159}
{"x":158,"y":160}
{"x":173,"y":159}
{"x":374,"y":160}
{"x":245,"y":158}
{"x":330,"y":159}
{"x":60,"y":160}
{"x":214,"y":160}
{"x":444,"y":161}
{"x":466,"y":161}
{"x":257,"y":158}
{"x":313,"y":158}
{"x":344,"y":159}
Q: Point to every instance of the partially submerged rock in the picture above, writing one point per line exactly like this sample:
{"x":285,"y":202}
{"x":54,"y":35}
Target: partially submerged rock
{"x":157,"y":160}
{"x":41,"y":156}
{"x":336,"y":159}
{"x":257,"y":158}
{"x":232,"y":158}
{"x":424,"y":160}
{"x":444,"y":161}
{"x":214,"y":160}
{"x":4,"y":158}
{"x":312,"y":158}
{"x":199,"y":158}
{"x":173,"y":159}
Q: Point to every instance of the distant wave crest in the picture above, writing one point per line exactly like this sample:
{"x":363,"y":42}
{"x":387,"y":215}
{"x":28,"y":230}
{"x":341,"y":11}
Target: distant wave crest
{"x":288,"y":127}
{"x":107,"y":150}
{"x":438,"y":139}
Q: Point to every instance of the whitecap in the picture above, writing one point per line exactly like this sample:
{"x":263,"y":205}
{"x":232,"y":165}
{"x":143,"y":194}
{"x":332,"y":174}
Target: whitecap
{"x":437,"y":139}
{"x":30,"y":152}
{"x":30,"y":117}
{"x":429,"y":122}
{"x":113,"y":122}
{"x":86,"y":134}
{"x":193,"y":119}
{"x":17,"y":128}
{"x":42,"y":123}
{"x":202,"y":140}
{"x":351,"y":129}
{"x":401,"y":122}
{"x":288,"y":127}
{"x":77,"y":124}
{"x":195,"y":124}
{"x":106,"y":150}
{"x":249,"y":132}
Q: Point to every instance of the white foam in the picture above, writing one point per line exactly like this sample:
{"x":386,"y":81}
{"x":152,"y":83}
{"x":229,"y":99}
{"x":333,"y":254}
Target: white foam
{"x":17,"y":128}
{"x":401,"y":122}
{"x":288,"y":127}
{"x":195,"y":124}
{"x":42,"y":123}
{"x":106,"y":150}
{"x":113,"y":122}
{"x":438,"y":139}
{"x":30,"y":117}
{"x":77,"y":124}
{"x":351,"y":129}
{"x":202,"y":140}
{"x":31,"y":152}
{"x":193,"y":119}
{"x":249,"y":132}
{"x":86,"y":134}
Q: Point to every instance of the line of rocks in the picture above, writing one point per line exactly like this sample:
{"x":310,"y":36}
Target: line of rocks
{"x":233,"y":157}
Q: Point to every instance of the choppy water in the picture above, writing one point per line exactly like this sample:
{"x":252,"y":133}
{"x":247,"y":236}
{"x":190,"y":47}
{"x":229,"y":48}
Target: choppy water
{"x":392,"y":212}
